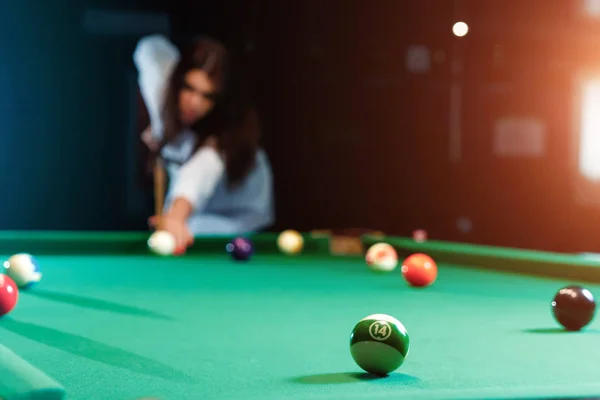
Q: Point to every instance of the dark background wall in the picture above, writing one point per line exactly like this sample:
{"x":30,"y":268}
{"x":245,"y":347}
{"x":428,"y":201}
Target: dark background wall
{"x":356,"y":139}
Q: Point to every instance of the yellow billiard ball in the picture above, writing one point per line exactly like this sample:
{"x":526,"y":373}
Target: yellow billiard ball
{"x":290,"y":242}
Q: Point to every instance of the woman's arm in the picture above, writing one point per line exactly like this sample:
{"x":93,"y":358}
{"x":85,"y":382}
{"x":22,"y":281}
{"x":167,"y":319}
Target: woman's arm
{"x":196,"y":182}
{"x":181,"y":209}
{"x":154,"y":57}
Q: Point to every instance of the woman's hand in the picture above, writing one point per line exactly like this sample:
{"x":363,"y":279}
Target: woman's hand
{"x":175,"y":226}
{"x":149,"y":140}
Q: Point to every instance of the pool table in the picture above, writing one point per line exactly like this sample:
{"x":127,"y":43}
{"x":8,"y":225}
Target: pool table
{"x":111,"y":321}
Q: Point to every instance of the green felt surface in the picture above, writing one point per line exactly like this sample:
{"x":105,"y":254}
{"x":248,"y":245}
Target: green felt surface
{"x":124,"y":326}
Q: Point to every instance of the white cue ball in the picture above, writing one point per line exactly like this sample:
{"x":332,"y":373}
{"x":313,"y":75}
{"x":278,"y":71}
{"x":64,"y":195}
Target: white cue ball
{"x":290,"y":242}
{"x":162,"y":243}
{"x":382,"y":257}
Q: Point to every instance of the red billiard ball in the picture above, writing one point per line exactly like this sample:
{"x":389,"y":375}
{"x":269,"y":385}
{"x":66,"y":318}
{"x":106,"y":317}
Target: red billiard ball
{"x":9,"y":294}
{"x":240,"y":248}
{"x":419,"y":270}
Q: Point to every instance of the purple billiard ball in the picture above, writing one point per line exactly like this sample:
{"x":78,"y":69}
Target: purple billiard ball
{"x":240,"y":248}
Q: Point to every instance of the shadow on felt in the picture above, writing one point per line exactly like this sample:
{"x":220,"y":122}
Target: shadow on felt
{"x":93,"y":350}
{"x":97,"y":304}
{"x":352,"y":377}
{"x":558,"y":330}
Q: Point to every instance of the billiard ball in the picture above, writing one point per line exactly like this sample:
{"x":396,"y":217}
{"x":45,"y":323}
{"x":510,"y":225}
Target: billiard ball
{"x":420,"y":236}
{"x":379,"y":344}
{"x":240,"y":248}
{"x":419,"y":270}
{"x":573,"y":307}
{"x":23,"y":269}
{"x":162,"y":243}
{"x":290,"y":242}
{"x":9,"y":294}
{"x":382,"y":257}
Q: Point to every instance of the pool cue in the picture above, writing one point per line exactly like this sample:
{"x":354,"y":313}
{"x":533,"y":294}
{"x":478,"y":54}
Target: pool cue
{"x":159,"y":186}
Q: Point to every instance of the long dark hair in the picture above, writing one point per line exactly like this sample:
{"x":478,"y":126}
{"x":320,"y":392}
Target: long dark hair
{"x":232,"y":120}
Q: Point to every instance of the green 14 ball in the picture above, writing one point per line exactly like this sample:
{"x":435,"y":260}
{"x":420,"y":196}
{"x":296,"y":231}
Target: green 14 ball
{"x":379,"y":344}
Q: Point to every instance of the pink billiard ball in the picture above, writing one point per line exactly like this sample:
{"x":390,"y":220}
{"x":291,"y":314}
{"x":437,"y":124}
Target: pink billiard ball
{"x":420,"y":235}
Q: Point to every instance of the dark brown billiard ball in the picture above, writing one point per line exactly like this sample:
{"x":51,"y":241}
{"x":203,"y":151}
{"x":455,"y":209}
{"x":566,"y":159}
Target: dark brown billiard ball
{"x":573,"y":307}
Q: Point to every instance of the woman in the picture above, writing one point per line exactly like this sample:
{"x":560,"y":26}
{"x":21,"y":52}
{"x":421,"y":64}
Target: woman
{"x":220,"y":180}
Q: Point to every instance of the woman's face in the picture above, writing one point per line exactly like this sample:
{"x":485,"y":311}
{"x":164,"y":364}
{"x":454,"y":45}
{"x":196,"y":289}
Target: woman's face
{"x":196,"y":98}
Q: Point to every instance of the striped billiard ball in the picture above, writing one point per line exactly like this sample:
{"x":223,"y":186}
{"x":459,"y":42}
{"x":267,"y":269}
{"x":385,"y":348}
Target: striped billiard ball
{"x":23,"y":269}
{"x":382,"y":257}
{"x":379,"y":344}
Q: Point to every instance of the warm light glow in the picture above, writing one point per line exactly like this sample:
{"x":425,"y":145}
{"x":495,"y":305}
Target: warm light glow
{"x":592,"y":7}
{"x":589,"y":142}
{"x":460,"y":29}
